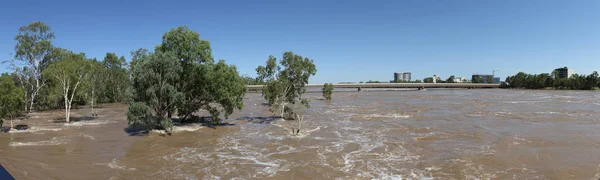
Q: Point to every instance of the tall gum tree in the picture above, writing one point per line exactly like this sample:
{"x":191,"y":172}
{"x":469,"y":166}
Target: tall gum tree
{"x":70,"y":73}
{"x":285,"y":83}
{"x":33,"y":45}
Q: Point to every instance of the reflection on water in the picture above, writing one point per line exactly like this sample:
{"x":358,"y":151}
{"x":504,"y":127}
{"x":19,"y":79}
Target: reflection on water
{"x":435,"y":134}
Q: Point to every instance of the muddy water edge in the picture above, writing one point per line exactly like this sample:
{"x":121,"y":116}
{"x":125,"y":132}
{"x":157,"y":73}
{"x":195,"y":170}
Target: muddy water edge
{"x":434,"y":134}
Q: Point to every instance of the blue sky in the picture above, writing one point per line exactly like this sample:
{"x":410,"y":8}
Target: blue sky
{"x":349,"y":40}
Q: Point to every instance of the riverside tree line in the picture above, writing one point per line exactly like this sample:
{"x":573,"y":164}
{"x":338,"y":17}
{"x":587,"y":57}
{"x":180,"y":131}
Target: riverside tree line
{"x":162,"y":87}
{"x":552,"y":81}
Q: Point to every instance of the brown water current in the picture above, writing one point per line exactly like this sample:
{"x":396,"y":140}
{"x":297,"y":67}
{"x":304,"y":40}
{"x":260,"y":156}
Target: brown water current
{"x":434,"y":134}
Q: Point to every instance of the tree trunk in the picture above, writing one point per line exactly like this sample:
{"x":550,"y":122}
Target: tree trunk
{"x":66,"y":108}
{"x":282,"y":109}
{"x":93,"y":112}
{"x":31,"y":104}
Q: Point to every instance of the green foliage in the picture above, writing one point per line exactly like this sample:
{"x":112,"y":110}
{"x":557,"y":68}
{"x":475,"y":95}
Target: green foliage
{"x":371,"y":81}
{"x":225,"y":87}
{"x":70,"y":74}
{"x":285,"y":84}
{"x":428,"y":80}
{"x":135,"y":56}
{"x":181,"y":76}
{"x":544,"y":80}
{"x":32,"y":48}
{"x":154,"y":81}
{"x":186,"y":45}
{"x":34,"y":42}
{"x":252,"y":81}
{"x":327,"y":90}
{"x":215,"y":87}
{"x":11,"y":98}
{"x":450,"y":79}
{"x":114,"y":78}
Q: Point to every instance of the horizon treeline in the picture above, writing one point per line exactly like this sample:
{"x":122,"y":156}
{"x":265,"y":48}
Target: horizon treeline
{"x":547,"y":80}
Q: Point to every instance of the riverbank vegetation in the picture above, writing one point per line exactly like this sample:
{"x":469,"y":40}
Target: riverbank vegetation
{"x":11,"y":99}
{"x":162,"y":87}
{"x":51,"y":77}
{"x":552,"y":81}
{"x":179,"y":78}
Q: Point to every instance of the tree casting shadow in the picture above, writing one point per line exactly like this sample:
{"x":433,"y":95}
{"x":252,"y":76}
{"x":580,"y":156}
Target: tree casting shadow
{"x":259,"y":119}
{"x":205,"y":121}
{"x":74,"y":119}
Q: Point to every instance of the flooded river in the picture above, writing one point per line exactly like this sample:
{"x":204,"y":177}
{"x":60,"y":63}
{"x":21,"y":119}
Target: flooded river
{"x":434,"y":134}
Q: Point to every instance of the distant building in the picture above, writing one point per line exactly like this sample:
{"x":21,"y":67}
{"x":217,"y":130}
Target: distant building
{"x":402,"y":77}
{"x":460,"y":80}
{"x":564,"y":72}
{"x":485,"y":78}
{"x":435,"y":78}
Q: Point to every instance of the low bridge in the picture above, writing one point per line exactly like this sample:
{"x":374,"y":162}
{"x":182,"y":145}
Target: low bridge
{"x":394,"y":85}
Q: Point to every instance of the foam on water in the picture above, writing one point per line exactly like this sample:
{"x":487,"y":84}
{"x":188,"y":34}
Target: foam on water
{"x":190,"y":128}
{"x":53,"y":141}
{"x":35,"y":129}
{"x":86,"y":123}
{"x":115,"y":165}
{"x":394,"y":115}
{"x":87,"y":136}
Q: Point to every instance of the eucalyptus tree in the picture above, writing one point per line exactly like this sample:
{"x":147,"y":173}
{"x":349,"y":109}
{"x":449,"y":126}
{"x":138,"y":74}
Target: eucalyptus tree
{"x":11,"y":99}
{"x":34,"y":44}
{"x":95,"y":82}
{"x":285,"y":83}
{"x":327,"y":90}
{"x":154,"y":91}
{"x":215,"y":87}
{"x":189,"y":80}
{"x":70,"y":73}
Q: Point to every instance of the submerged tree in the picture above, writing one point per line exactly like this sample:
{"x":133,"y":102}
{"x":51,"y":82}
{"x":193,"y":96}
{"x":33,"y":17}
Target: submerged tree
{"x":215,"y":87}
{"x":327,"y":90}
{"x":154,"y":92}
{"x":190,"y":81}
{"x":11,"y":99}
{"x":33,"y":46}
{"x":285,"y":84}
{"x":70,"y":73}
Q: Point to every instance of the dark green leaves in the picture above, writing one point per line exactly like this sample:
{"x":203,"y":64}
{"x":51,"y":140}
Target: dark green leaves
{"x":285,"y":84}
{"x":182,"y":76}
{"x":33,"y":41}
{"x":11,"y":98}
{"x":327,"y":91}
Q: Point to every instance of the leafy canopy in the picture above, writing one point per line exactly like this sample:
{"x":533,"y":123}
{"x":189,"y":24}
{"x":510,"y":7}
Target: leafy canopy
{"x":285,"y":83}
{"x":11,"y":98}
{"x":327,"y":90}
{"x":190,"y":81}
{"x":154,"y":80}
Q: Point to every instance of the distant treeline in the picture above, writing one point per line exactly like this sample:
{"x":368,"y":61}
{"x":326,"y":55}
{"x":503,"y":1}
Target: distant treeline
{"x":546,"y":80}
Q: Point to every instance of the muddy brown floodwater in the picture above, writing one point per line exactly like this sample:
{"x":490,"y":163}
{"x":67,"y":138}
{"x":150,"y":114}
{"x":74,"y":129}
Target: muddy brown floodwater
{"x":434,"y":134}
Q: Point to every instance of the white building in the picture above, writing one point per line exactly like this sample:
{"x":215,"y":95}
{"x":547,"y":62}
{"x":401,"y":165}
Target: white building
{"x":460,"y":80}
